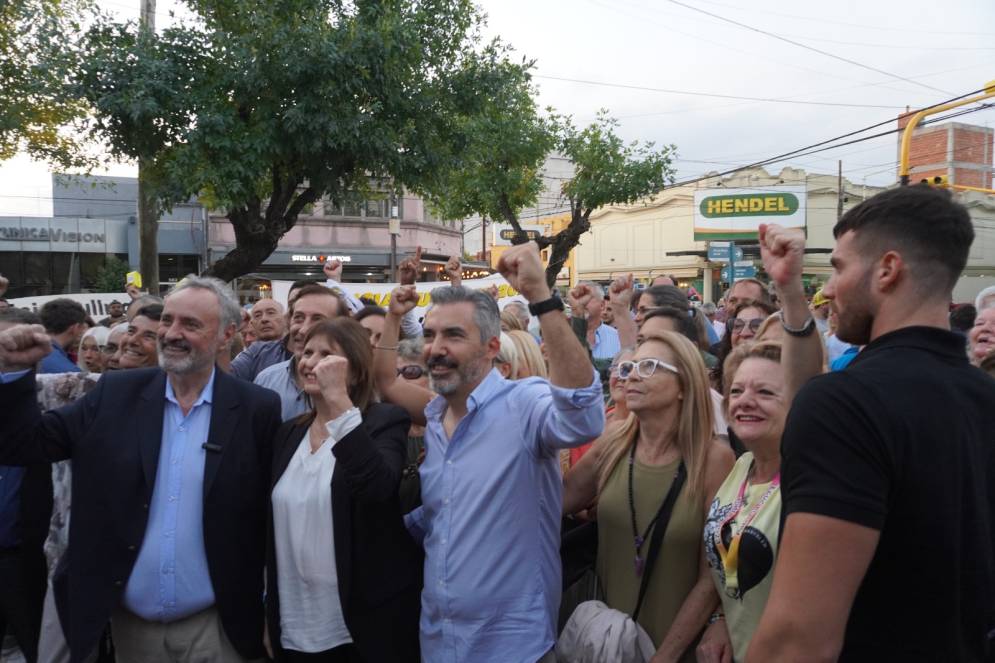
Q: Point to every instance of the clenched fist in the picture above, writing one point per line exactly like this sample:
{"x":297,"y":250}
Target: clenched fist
{"x":782,"y":250}
{"x":523,"y":269}
{"x":333,"y":270}
{"x":332,"y":375}
{"x":454,"y":270}
{"x":23,"y":346}
{"x":579,"y":297}
{"x":620,"y":292}
{"x":403,"y":298}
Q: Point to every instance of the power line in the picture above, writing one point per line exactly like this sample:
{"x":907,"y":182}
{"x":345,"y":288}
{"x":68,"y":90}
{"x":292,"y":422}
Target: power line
{"x":714,"y":95}
{"x":805,"y":46}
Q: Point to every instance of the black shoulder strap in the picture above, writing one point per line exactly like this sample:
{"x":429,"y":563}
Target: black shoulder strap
{"x":656,"y":539}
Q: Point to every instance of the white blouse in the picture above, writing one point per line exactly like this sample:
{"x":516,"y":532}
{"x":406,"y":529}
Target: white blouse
{"x":311,"y":618}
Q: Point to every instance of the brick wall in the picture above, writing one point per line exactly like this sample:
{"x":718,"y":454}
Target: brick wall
{"x":966,"y":157}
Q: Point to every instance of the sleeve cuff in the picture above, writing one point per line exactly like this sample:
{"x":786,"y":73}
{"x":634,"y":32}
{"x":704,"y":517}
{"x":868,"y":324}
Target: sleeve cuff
{"x":353,"y":303}
{"x":343,"y":424}
{"x":11,"y":377}
{"x":568,"y":399}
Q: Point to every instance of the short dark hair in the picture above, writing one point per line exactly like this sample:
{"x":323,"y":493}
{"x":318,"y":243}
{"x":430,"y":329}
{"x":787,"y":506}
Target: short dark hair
{"x":60,"y":314}
{"x":19,"y":316}
{"x":667,"y":295}
{"x":318,"y":289}
{"x":303,"y":282}
{"x":685,"y":325}
{"x":962,"y":318}
{"x":931,"y":231}
{"x":151,"y":311}
{"x":368,"y":310}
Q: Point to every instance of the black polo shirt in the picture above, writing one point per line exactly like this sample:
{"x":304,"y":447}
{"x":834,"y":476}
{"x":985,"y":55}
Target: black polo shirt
{"x":903,"y":441}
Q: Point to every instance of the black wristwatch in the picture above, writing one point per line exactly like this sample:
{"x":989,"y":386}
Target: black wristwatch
{"x":554,"y":303}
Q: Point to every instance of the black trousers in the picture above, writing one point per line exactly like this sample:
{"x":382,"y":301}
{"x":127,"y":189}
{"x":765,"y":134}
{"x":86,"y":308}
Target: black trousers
{"x":23,"y":581}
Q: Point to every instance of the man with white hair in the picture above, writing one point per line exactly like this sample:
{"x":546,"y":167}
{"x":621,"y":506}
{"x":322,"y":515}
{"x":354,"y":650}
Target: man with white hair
{"x":601,"y":338}
{"x":167,"y":537}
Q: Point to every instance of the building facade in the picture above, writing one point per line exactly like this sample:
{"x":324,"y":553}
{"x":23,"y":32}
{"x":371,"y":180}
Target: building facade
{"x":960,"y":152}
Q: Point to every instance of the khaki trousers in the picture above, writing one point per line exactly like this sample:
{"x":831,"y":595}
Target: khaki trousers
{"x":198,"y":638}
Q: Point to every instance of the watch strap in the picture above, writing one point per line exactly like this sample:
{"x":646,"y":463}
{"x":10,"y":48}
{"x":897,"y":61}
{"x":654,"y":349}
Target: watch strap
{"x":554,"y":303}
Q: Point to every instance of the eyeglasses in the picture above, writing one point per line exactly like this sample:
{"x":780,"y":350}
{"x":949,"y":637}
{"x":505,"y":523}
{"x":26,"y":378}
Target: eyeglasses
{"x":644,"y":367}
{"x":754,"y":324}
{"x":108,"y":349}
{"x":411,"y":372}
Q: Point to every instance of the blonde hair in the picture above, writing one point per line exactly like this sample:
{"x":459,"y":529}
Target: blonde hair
{"x":695,"y":420}
{"x":508,"y":354}
{"x":529,"y":355}
{"x":770,"y":350}
{"x":510,"y":321}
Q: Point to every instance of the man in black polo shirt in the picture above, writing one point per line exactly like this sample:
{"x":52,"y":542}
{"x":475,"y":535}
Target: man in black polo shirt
{"x":888,"y":467}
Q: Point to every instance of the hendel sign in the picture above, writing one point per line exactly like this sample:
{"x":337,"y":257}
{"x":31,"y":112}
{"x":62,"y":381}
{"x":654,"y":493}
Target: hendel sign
{"x":738,"y":213}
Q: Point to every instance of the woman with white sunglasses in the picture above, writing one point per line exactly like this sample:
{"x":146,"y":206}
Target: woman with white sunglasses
{"x":629,"y":472}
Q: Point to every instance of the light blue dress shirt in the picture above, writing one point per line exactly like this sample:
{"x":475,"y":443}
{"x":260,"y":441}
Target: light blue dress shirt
{"x":170,"y":579}
{"x":606,"y":343}
{"x":490,"y":520}
{"x":280,"y":378}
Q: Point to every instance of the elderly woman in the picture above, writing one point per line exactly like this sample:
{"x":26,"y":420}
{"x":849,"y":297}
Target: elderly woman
{"x":91,"y":349}
{"x":630,"y":470}
{"x":981,"y":338}
{"x":743,"y":525}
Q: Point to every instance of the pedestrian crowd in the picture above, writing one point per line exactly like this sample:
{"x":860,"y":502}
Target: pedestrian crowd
{"x":629,"y":475}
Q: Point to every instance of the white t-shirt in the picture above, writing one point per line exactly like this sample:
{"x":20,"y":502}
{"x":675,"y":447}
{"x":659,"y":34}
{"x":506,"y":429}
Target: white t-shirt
{"x":311,"y":618}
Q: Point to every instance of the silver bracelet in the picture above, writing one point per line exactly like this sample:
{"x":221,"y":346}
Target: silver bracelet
{"x":805,"y":329}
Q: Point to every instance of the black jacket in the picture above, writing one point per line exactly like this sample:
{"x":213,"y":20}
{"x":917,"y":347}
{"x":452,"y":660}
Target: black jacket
{"x":113,"y":435}
{"x":379,"y":566}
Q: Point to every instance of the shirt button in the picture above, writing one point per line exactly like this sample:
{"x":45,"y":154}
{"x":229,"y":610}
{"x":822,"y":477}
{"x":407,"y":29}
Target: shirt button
{"x":145,"y":506}
{"x":118,"y":583}
{"x":449,"y":462}
{"x":444,"y":542}
{"x":445,"y":501}
{"x":132,"y":548}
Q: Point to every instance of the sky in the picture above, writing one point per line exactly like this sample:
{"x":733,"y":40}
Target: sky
{"x":874,"y":59}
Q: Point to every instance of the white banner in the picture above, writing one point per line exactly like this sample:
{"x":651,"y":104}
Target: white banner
{"x":95,"y":303}
{"x":380,"y":292}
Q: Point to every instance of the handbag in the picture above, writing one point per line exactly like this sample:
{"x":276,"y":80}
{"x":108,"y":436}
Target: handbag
{"x":596,"y":632}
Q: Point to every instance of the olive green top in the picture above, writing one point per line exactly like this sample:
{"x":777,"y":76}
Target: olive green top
{"x":676,"y":569}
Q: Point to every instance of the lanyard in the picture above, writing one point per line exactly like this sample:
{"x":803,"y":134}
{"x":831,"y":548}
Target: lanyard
{"x":730,"y":556}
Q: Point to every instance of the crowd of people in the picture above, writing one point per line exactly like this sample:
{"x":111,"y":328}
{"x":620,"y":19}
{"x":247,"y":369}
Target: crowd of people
{"x":784,"y":476}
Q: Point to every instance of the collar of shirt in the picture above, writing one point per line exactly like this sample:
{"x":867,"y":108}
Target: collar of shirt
{"x":206,"y":394}
{"x":932,"y":339}
{"x":488,"y":388}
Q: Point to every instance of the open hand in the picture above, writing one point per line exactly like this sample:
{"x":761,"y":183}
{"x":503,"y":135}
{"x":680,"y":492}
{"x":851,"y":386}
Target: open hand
{"x":403,"y":298}
{"x":333,"y":270}
{"x":23,"y":346}
{"x":407,"y":271}
{"x":523,"y":269}
{"x":783,"y":251}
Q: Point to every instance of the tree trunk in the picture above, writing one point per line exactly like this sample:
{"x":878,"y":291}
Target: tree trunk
{"x":565,"y":241}
{"x":256,"y":234}
{"x":148,"y":229}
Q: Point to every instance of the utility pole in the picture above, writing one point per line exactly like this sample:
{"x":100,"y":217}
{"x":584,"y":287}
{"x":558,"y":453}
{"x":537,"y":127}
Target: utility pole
{"x":839,"y":191}
{"x":148,"y":217}
{"x":483,"y":239}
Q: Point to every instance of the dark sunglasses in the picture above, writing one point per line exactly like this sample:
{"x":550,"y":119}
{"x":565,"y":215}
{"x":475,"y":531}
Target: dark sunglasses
{"x":411,"y":371}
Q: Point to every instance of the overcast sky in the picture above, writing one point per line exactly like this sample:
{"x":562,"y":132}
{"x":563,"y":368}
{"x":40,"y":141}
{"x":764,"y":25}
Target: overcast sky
{"x":901,"y":54}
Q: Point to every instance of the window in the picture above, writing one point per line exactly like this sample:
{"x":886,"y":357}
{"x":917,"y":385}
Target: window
{"x":172,"y":268}
{"x":376,"y":209}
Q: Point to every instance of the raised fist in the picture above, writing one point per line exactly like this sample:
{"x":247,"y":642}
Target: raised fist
{"x":332,"y":374}
{"x":454,"y":270}
{"x":333,"y":270}
{"x":620,"y":292}
{"x":783,"y":251}
{"x":133,"y":291}
{"x":403,"y":298}
{"x":523,"y":269}
{"x":23,"y":346}
{"x":579,"y":297}
{"x":407,"y":271}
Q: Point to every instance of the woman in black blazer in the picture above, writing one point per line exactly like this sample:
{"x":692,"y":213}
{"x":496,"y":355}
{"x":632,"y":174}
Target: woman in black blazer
{"x":343,"y":576}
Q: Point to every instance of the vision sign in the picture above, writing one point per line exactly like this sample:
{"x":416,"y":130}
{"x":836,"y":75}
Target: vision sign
{"x":738,"y":213}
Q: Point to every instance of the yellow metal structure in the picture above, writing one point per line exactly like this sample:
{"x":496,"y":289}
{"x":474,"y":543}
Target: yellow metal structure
{"x":903,"y":167}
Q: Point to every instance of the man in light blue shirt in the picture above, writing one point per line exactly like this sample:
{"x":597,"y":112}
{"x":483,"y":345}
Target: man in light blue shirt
{"x":601,"y":338}
{"x":491,"y":483}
